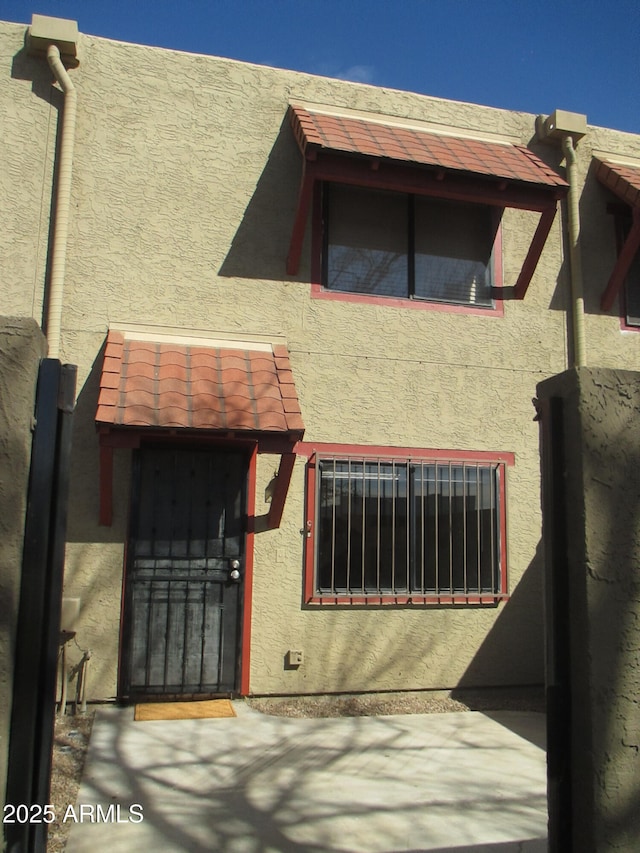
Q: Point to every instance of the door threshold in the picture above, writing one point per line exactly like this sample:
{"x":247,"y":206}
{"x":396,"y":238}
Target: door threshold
{"x":148,"y":698}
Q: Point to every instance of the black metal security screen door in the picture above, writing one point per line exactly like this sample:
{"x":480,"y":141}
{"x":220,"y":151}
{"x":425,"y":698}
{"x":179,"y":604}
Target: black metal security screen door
{"x":185,"y":567}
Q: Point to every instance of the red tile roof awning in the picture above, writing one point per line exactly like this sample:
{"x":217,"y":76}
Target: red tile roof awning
{"x":316,"y":131}
{"x":174,"y":384}
{"x":184,"y":387}
{"x":386,"y":154}
{"x":623,"y":181}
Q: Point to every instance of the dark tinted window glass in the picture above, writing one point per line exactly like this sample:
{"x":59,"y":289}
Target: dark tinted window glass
{"x":453,"y":252}
{"x":632,"y":293}
{"x":363,"y":534}
{"x":392,"y":244}
{"x":367,"y":251}
{"x":429,"y":528}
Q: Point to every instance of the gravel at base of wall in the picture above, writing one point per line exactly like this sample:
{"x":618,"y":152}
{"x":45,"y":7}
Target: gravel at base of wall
{"x":424,"y":702}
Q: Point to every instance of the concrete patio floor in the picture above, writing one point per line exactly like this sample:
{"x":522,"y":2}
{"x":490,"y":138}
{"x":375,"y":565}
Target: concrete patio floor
{"x":260,"y":784}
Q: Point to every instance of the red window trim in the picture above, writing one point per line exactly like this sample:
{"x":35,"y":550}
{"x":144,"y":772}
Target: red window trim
{"x":320,"y":292}
{"x":313,"y":451}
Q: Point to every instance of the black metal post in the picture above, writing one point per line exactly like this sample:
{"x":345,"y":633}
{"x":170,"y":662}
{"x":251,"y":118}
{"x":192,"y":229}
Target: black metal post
{"x":557,"y":626}
{"x":33,"y":710}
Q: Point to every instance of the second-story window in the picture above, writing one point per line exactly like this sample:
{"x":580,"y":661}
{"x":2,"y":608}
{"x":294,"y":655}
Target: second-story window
{"x":415,"y":247}
{"x":631,"y":300}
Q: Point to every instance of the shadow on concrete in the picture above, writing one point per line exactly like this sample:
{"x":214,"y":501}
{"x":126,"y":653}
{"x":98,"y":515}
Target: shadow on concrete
{"x":528,"y":726}
{"x":260,"y":783}
{"x":525,"y":845}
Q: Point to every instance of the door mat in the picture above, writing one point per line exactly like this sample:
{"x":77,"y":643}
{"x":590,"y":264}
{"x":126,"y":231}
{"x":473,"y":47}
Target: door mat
{"x":198,"y":710}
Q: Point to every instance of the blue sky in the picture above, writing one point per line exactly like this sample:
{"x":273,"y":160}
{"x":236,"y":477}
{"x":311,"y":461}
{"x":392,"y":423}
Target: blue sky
{"x":578,"y":55}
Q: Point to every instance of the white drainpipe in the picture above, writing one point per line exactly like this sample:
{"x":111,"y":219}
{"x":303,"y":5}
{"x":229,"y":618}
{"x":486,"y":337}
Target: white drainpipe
{"x":63,"y":203}
{"x":577,"y":295}
{"x":567,"y":129}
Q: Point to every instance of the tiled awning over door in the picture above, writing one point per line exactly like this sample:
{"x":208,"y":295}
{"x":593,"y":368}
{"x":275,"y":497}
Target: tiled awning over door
{"x":177,"y":384}
{"x":181,"y":386}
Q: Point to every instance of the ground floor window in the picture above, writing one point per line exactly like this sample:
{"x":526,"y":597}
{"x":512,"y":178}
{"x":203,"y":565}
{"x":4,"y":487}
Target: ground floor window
{"x":419,"y":529}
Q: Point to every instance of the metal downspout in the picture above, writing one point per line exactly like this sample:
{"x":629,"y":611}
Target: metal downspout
{"x":63,"y":203}
{"x":577,"y":295}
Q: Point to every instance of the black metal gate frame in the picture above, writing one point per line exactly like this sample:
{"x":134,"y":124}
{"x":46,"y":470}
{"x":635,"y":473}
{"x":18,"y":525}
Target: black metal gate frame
{"x":38,"y":629}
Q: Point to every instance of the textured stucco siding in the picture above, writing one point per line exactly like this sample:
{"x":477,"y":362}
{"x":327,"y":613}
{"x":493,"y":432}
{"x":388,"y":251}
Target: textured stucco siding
{"x":184,"y":190}
{"x":600,"y":513}
{"x":22,"y":345}
{"x":608,"y":632}
{"x":28,"y":122}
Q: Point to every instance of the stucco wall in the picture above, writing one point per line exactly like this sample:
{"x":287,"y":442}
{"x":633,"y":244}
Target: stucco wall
{"x":601,"y":516}
{"x":21,"y":348}
{"x":184,"y":191}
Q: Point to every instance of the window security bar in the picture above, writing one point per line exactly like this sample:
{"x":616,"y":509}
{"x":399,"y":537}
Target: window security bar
{"x":390,"y":527}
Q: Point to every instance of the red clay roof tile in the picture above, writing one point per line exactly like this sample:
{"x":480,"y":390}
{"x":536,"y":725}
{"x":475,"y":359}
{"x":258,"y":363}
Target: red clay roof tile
{"x":139,"y":372}
{"x":108,"y":397}
{"x":143,"y":356}
{"x":113,"y":349}
{"x":170,"y":416}
{"x":138,"y":415}
{"x":103,"y":413}
{"x":110,"y":380}
{"x":294,"y":422}
{"x":111,"y":364}
{"x":135,"y":383}
{"x":355,"y":135}
{"x":172,"y":384}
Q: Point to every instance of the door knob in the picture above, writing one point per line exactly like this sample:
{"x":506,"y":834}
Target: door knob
{"x":234,"y":575}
